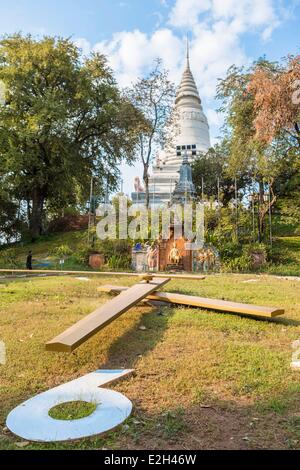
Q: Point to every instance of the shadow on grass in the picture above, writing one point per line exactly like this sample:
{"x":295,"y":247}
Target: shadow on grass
{"x":282,"y":320}
{"x":140,"y":340}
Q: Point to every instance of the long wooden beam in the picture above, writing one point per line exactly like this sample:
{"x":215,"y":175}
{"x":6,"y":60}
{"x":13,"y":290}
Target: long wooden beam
{"x":104,"y":273}
{"x":90,"y":325}
{"x":210,"y":304}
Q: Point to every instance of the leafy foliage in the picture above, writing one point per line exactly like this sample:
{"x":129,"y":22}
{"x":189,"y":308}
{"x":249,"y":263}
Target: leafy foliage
{"x":62,"y":251}
{"x":63,"y":121}
{"x":270,"y":164}
{"x":276,"y":91}
{"x":8,"y":258}
{"x":9,"y":220}
{"x":213,"y":168}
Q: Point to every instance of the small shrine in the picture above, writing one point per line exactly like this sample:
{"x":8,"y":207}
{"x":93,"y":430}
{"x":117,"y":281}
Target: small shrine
{"x":174,"y":255}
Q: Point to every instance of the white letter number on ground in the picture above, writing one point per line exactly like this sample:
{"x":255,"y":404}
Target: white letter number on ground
{"x":31,"y":420}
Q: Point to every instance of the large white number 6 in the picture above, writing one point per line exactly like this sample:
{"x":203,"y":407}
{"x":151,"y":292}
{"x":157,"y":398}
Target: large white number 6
{"x":31,"y":420}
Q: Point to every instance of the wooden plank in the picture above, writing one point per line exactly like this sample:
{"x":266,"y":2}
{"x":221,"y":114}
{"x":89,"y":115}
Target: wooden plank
{"x":113,"y":290}
{"x":110,"y":289}
{"x":103,"y":273}
{"x":210,"y":304}
{"x":90,"y":325}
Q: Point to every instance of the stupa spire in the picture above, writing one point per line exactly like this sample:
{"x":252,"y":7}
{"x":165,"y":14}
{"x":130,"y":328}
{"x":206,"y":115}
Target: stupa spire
{"x":187,"y":52}
{"x":187,"y":92}
{"x":190,"y":138}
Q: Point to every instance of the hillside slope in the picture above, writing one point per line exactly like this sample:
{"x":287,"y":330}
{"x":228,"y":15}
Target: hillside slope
{"x":286,"y":254}
{"x":45,"y":251}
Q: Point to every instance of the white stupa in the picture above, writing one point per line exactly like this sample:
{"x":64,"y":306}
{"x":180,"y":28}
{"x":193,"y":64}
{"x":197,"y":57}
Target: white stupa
{"x":191,"y":138}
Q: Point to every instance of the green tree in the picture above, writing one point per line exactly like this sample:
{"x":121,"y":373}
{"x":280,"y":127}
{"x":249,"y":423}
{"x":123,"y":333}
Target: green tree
{"x":248,"y":155}
{"x":287,"y":183}
{"x":154,"y":97}
{"x":63,"y":121}
{"x":9,"y":220}
{"x":276,"y":92}
{"x":213,"y":168}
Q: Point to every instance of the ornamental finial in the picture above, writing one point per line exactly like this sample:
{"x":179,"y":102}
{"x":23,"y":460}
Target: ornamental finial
{"x":187,"y":51}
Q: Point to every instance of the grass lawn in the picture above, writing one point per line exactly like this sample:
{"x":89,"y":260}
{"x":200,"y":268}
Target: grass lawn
{"x":286,"y":252}
{"x":202,"y":380}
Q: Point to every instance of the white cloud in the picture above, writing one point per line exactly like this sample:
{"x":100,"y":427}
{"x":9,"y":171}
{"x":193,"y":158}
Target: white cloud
{"x":216,"y":28}
{"x":186,"y":12}
{"x":84,"y":45}
{"x":213,"y":51}
{"x":244,"y":15}
{"x":248,"y":15}
{"x":131,"y":53}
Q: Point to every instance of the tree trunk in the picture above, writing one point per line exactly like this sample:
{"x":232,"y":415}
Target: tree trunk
{"x":265,"y":209}
{"x":297,"y":129}
{"x":36,"y":216}
{"x":28,"y":211}
{"x":261,"y":227}
{"x":146,"y":181}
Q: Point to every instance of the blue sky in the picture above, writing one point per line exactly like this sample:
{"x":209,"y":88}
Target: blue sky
{"x":134,"y":32}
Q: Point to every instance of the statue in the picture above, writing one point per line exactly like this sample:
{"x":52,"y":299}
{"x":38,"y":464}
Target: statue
{"x":211,"y":259}
{"x":206,"y":259}
{"x":152,"y":257}
{"x":137,"y":185}
{"x":174,"y":256}
{"x":200,"y":259}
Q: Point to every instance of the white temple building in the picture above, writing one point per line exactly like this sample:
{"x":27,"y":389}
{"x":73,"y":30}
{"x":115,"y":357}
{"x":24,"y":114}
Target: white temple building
{"x":191,"y":139}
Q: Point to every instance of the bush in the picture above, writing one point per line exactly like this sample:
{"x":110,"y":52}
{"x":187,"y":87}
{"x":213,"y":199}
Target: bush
{"x":241,"y":264}
{"x":82,"y":254}
{"x":239,"y":258}
{"x":230,"y":250}
{"x":8,"y":258}
{"x":117,"y":253}
{"x":119,"y":262}
{"x":62,"y":251}
{"x":109,"y":248}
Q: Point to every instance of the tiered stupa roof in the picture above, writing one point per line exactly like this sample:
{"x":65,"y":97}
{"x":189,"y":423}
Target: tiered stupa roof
{"x":191,"y":140}
{"x":187,"y":90}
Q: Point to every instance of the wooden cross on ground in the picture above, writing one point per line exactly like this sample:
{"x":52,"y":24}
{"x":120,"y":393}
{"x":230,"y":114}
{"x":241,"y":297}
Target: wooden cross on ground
{"x":146,"y":290}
